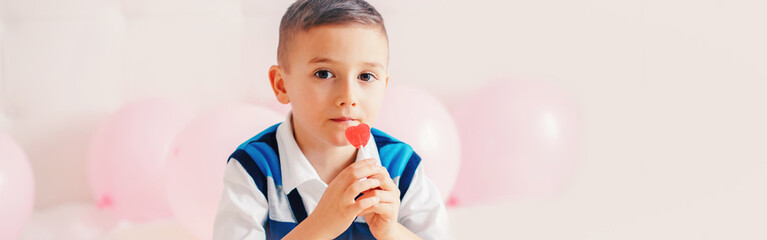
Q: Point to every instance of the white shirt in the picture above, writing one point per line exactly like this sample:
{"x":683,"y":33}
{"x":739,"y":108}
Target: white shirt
{"x":243,"y":208}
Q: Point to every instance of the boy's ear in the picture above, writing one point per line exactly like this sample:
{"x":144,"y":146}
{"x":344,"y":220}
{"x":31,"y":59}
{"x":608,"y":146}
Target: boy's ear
{"x":387,"y":79}
{"x":278,"y":84}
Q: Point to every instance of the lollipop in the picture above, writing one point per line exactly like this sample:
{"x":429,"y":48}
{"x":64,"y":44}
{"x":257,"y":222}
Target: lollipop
{"x":358,"y":136}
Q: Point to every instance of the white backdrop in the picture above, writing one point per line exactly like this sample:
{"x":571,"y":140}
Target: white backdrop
{"x":672,"y":90}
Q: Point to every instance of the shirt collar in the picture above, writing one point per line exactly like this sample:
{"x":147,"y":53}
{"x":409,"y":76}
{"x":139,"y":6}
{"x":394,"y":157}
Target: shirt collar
{"x":295,"y":168}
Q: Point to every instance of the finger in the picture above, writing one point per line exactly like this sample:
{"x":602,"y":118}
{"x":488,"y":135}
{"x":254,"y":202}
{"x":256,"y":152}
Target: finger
{"x":386,"y":210}
{"x":363,"y":203}
{"x":360,"y":170}
{"x":368,"y":210}
{"x":384,"y":196}
{"x":358,"y":187}
{"x":363,"y":162}
{"x":380,"y":194}
{"x":386,"y":182}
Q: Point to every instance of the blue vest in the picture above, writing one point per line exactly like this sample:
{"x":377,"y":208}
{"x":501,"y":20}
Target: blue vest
{"x":260,"y":158}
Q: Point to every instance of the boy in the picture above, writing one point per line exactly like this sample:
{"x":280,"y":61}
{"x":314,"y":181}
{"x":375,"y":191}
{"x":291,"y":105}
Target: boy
{"x":302,"y":179}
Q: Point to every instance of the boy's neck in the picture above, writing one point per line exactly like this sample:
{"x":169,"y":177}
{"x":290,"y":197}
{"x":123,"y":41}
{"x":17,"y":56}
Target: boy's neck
{"x":327,"y":160}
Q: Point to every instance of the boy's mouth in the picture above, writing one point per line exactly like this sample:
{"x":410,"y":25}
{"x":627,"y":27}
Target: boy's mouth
{"x":344,"y":120}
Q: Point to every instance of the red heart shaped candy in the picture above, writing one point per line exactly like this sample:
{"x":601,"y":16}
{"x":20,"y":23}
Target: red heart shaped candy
{"x":358,"y":135}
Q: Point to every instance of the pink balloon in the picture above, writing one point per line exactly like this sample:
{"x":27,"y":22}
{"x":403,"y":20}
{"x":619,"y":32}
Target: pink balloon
{"x":521,"y":138}
{"x":195,"y":169}
{"x":421,"y":120}
{"x":17,"y":188}
{"x":126,"y":158}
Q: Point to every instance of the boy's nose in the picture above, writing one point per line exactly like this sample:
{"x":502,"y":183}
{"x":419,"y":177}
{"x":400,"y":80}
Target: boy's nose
{"x":353,"y":104}
{"x":347,"y":94}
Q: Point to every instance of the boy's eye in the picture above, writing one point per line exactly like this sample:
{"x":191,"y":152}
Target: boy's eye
{"x":324,"y":74}
{"x":367,"y":77}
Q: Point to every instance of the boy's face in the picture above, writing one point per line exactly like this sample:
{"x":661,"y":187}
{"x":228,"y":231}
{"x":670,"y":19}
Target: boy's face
{"x":336,"y":78}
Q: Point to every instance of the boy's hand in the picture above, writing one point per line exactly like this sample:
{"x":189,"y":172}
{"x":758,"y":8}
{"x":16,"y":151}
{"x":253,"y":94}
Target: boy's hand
{"x":337,"y":208}
{"x":382,"y":218}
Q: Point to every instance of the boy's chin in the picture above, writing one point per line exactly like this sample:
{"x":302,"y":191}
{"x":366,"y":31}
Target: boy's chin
{"x":339,"y":140}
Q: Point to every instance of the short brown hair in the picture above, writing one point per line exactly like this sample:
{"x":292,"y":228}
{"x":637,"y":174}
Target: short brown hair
{"x":305,"y":14}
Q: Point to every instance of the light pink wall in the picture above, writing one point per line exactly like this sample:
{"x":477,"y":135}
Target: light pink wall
{"x":673,"y":93}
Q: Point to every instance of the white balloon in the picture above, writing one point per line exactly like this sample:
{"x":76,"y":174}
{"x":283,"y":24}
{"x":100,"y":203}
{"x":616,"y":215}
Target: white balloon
{"x":17,"y":188}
